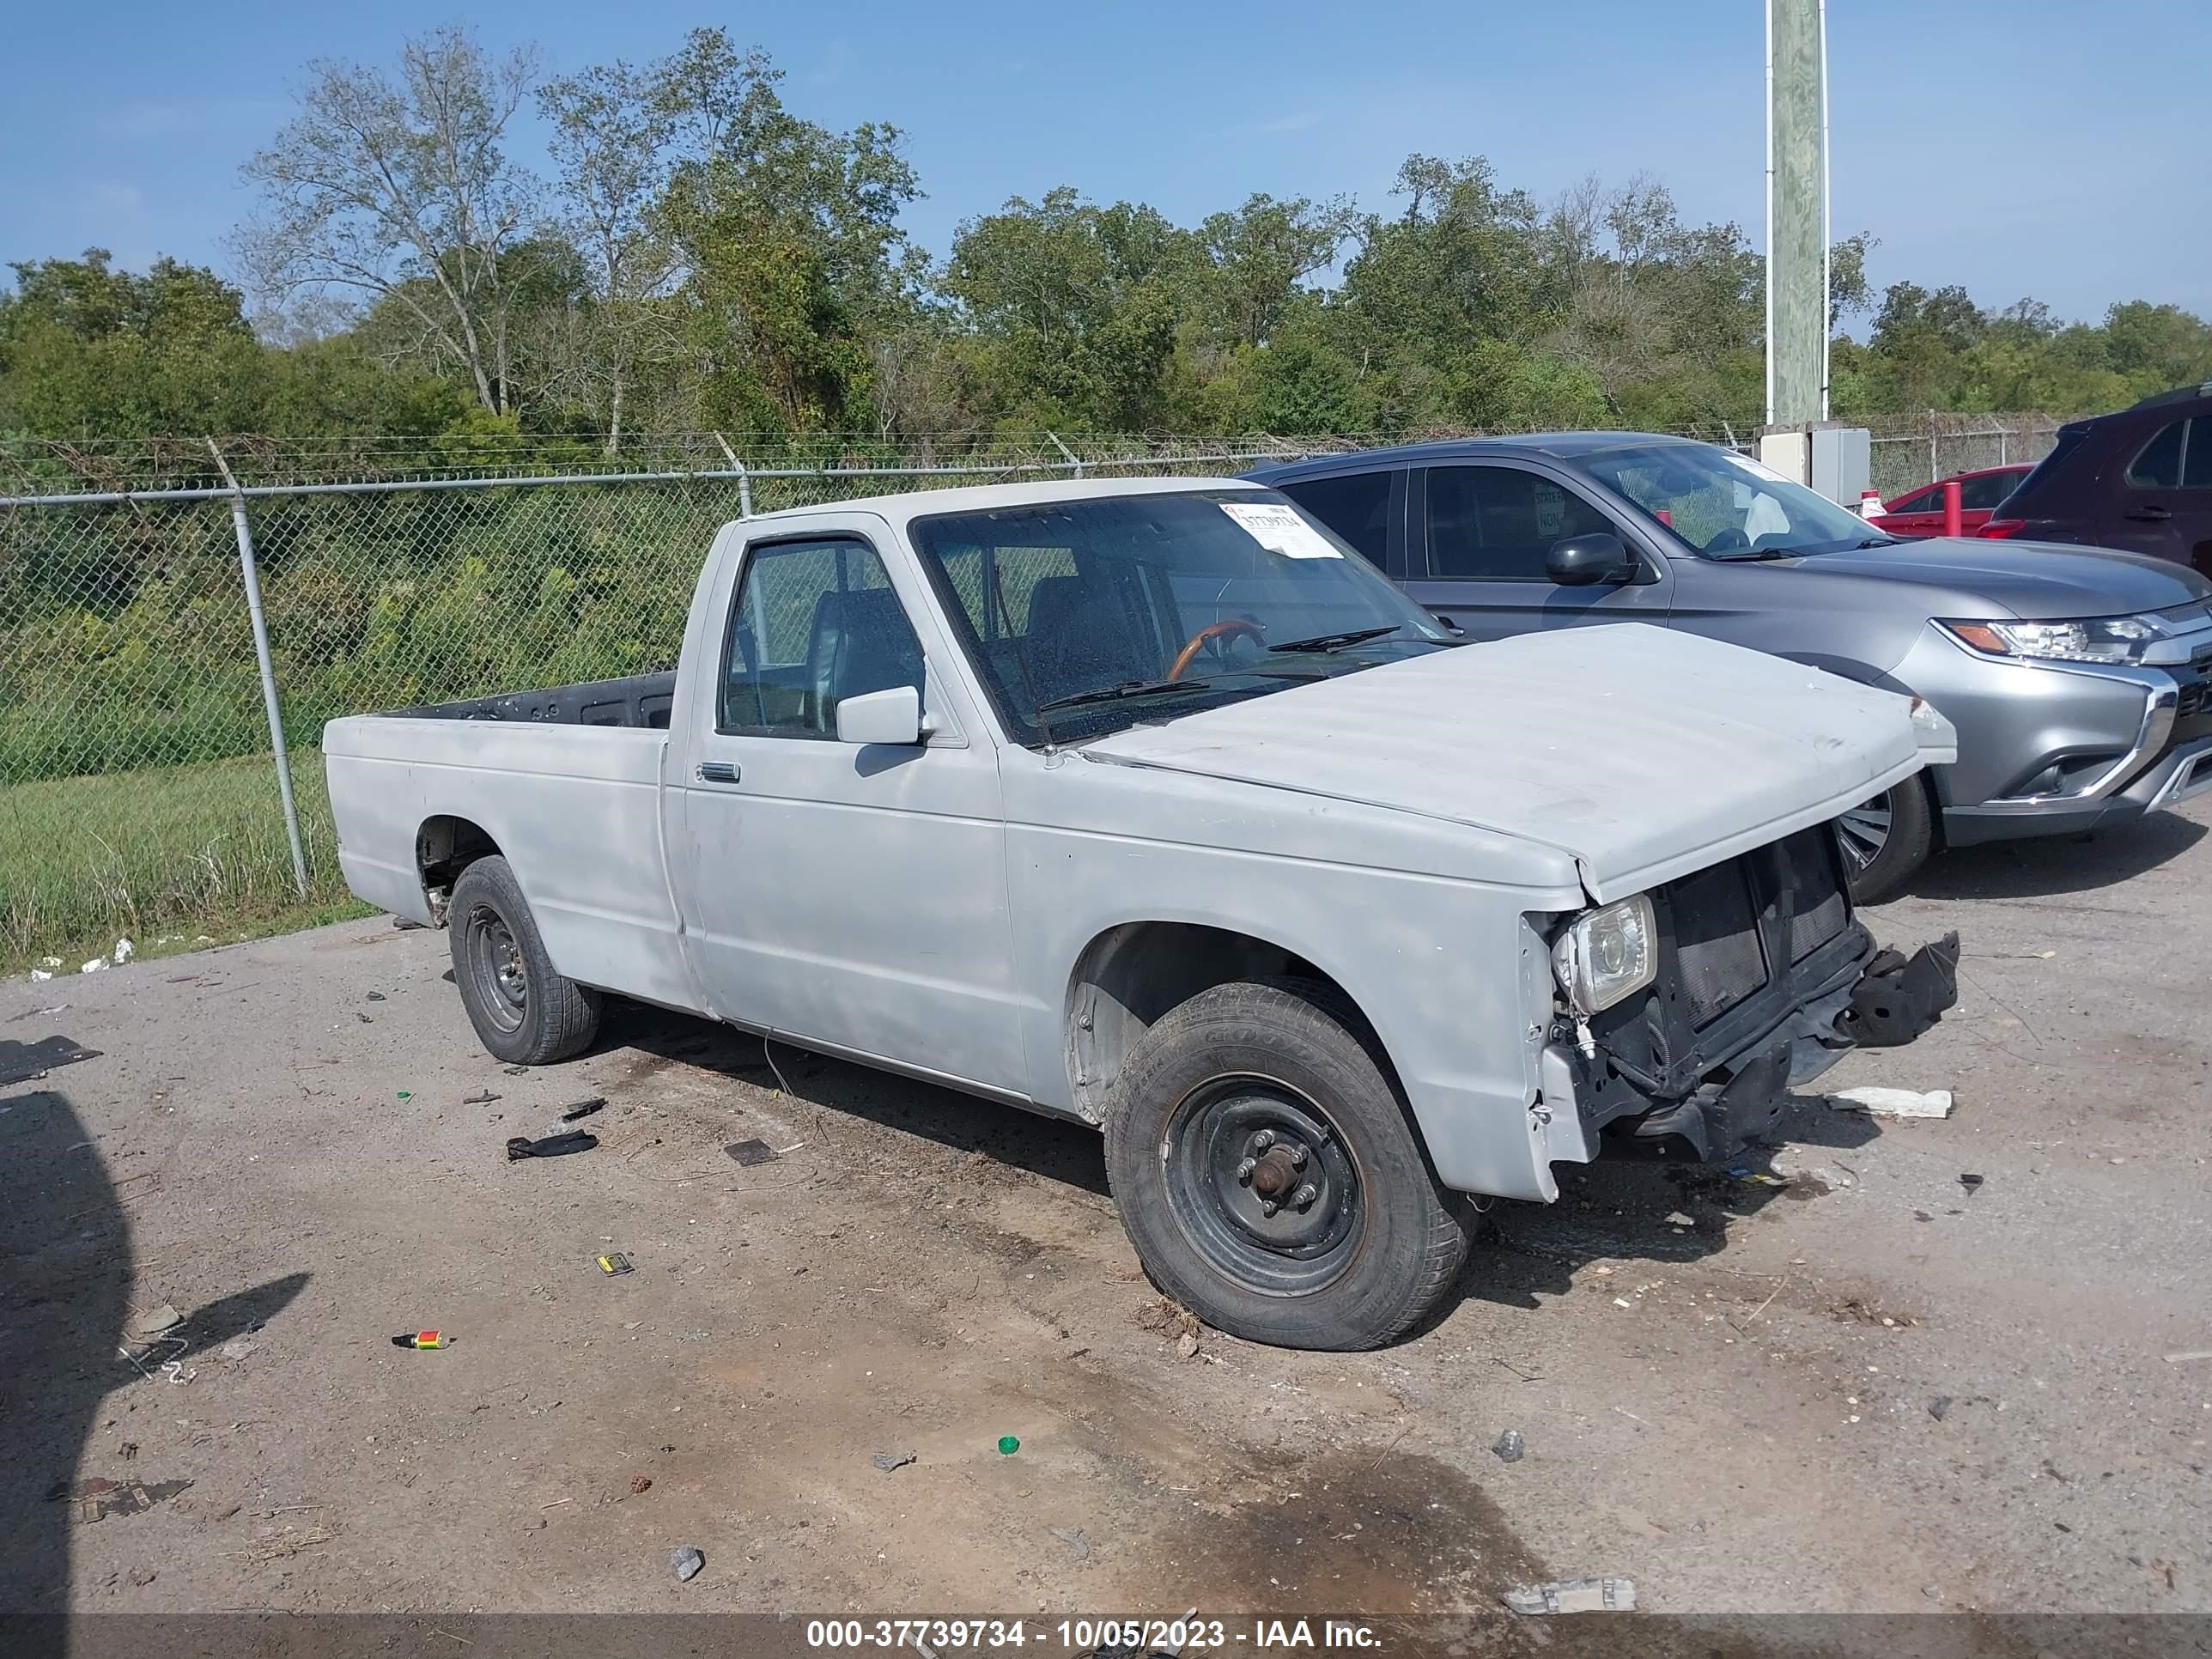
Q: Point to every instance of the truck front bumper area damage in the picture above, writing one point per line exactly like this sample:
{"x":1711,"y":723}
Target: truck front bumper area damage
{"x":1889,"y":1001}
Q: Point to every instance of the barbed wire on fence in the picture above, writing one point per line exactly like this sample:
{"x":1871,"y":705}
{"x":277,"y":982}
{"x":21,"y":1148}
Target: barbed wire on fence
{"x":39,"y":467}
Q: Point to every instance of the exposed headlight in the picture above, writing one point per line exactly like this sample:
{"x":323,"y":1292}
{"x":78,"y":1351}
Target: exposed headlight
{"x":2100,"y":639}
{"x":1607,"y":955}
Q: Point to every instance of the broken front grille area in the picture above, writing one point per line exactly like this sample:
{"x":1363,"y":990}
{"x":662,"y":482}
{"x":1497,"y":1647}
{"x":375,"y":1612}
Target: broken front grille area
{"x":1717,"y":950}
{"x":1726,"y":985}
{"x":1733,"y":923}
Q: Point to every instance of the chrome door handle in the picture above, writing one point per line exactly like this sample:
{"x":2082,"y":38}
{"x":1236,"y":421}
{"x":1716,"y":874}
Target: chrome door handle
{"x":718,"y":772}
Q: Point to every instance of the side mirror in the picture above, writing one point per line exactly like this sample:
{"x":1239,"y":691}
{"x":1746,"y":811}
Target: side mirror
{"x":1581,"y":561}
{"x":892,"y":716}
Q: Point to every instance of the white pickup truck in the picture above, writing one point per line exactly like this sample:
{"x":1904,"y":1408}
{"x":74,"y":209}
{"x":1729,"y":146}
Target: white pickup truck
{"x":1147,"y":803}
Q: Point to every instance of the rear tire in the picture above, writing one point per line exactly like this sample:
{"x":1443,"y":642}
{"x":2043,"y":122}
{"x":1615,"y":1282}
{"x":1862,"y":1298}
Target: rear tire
{"x":525,"y":1012}
{"x":1886,"y":840}
{"x":1253,"y":1094}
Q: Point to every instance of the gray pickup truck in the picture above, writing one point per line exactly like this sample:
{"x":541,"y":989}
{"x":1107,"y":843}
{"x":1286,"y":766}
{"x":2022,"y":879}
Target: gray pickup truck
{"x":1152,"y":806}
{"x":2076,"y":677}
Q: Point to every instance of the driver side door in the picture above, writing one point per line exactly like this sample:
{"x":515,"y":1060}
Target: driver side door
{"x":1477,"y":536}
{"x":852,"y":896}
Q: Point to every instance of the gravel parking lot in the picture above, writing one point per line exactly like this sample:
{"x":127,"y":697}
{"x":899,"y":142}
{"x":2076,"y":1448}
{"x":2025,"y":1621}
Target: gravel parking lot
{"x":1870,"y":1388}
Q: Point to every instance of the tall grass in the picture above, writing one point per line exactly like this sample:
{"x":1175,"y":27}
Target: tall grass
{"x":180,"y":854}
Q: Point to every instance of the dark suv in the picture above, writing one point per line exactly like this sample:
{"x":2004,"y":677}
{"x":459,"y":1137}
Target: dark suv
{"x":2141,"y":480}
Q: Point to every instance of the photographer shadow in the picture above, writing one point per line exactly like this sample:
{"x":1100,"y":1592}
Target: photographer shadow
{"x":67,"y":1275}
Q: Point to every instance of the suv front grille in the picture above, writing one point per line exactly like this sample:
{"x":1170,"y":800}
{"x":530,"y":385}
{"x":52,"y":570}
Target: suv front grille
{"x":1717,"y":943}
{"x":2190,"y":702}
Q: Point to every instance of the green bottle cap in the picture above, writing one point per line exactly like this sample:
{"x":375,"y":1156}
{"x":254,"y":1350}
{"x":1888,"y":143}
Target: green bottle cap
{"x":1008,"y":1445}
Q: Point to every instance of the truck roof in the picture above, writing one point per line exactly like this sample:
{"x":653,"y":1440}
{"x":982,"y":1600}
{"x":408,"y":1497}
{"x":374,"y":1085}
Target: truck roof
{"x":926,"y":503}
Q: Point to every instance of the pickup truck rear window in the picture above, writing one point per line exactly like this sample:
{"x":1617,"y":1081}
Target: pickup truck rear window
{"x":814,"y":622}
{"x":1084,"y":616}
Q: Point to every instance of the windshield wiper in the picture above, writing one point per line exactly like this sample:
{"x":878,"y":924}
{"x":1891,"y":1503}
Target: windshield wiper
{"x":1125,"y":689}
{"x":1757,"y":553}
{"x":1337,"y":641}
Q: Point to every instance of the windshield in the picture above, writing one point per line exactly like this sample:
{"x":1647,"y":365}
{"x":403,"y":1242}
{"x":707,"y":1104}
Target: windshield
{"x":1086,"y":616}
{"x":1725,"y":506}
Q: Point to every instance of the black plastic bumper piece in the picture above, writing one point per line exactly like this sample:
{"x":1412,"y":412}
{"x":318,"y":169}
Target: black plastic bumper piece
{"x":1720,"y":1117}
{"x":1897,"y":998}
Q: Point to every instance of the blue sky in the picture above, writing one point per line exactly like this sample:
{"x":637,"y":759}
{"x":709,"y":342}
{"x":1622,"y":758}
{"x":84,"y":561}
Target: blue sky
{"x":2018,"y":147}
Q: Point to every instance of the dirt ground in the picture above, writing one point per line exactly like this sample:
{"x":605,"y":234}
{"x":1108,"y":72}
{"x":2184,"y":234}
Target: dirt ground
{"x":1871,"y":1390}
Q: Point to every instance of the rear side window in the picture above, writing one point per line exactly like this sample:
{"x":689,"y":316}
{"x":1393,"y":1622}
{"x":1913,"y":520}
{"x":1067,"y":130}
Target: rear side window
{"x":2159,"y":465}
{"x":814,"y":622}
{"x":1983,"y":493}
{"x":2067,"y":441}
{"x":2197,"y":459}
{"x":1498,"y":523}
{"x":1356,"y":506}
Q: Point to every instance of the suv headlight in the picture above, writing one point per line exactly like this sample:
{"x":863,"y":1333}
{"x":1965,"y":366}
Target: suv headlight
{"x":1605,"y":955}
{"x":2098,"y":639}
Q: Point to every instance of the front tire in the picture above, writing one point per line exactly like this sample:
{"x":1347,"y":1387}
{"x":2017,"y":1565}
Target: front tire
{"x":525,"y":1012}
{"x":1270,"y":1176}
{"x":1886,"y":840}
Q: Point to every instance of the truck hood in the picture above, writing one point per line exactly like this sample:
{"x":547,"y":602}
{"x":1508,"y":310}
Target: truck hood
{"x":2040,"y":581}
{"x":1642,"y":754}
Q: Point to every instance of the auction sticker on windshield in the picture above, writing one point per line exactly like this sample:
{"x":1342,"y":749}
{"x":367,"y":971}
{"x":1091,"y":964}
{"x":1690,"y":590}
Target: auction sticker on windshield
{"x":1280,"y":530}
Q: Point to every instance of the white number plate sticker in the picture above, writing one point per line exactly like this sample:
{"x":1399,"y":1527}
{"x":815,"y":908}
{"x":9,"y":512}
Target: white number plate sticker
{"x":1280,"y":530}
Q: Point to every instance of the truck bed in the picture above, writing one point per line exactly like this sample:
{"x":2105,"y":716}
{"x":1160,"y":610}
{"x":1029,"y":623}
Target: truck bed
{"x":640,"y":699}
{"x":566,"y":782}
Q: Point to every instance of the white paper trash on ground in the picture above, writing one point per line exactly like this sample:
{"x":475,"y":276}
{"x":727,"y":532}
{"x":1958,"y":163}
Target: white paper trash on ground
{"x":1893,"y":1103}
{"x":1573,"y":1595}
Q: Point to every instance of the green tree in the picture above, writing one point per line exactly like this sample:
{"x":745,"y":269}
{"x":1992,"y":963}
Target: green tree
{"x":89,"y":350}
{"x":1260,"y":253}
{"x":794,"y":264}
{"x":401,"y":191}
{"x":1075,"y":306}
{"x":612,"y":131}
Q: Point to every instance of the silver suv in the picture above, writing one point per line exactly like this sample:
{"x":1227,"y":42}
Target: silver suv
{"x":2076,"y":677}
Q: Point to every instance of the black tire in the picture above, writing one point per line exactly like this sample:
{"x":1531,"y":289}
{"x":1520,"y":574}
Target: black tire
{"x":1360,"y":1264}
{"x":1886,"y":840}
{"x":525,"y":1012}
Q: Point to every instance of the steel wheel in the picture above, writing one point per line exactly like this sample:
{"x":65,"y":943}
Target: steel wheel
{"x":1263,"y":1186}
{"x":496,"y":964}
{"x":1865,"y":830}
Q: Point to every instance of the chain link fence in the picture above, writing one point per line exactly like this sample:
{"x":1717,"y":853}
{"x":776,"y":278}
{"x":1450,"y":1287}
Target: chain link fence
{"x":139,"y":798}
{"x":1908,"y":451}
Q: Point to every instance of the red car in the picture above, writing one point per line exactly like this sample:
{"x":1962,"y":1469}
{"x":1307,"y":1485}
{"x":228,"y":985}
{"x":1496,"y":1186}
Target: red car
{"x":1919,"y":512}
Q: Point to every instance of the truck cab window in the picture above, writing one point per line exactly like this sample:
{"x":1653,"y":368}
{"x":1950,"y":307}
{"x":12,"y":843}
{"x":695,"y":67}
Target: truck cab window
{"x":814,"y":622}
